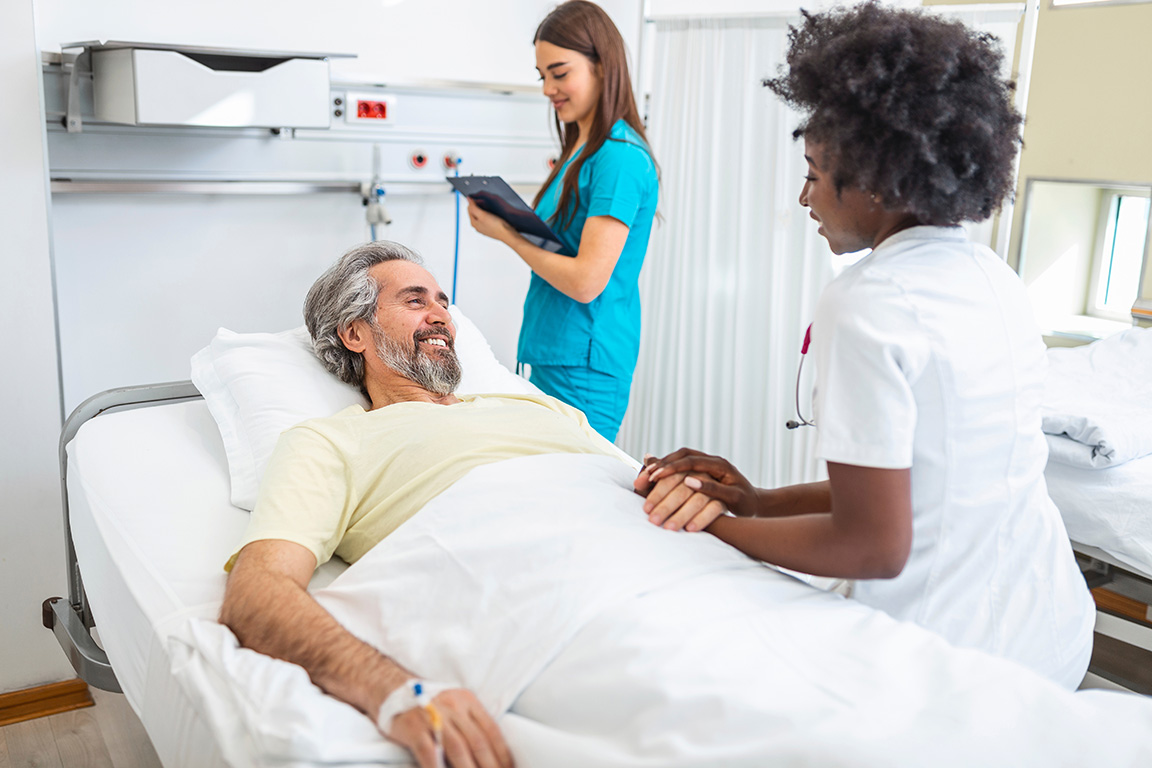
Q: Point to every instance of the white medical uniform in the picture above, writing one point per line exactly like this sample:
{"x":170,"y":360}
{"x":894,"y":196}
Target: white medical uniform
{"x":928,"y":357}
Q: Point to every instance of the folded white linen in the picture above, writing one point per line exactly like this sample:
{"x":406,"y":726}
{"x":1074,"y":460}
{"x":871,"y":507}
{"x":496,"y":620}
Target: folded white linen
{"x":600,"y":639}
{"x":1100,"y":397}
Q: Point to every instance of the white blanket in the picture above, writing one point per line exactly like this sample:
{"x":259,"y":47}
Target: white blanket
{"x":1109,"y":508}
{"x":602,"y":640}
{"x":1098,"y":401}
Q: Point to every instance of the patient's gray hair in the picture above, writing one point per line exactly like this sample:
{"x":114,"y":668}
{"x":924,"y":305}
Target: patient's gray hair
{"x":344,"y":294}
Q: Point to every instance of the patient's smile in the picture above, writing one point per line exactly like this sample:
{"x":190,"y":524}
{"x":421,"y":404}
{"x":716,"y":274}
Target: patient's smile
{"x":435,"y":337}
{"x":440,"y":342}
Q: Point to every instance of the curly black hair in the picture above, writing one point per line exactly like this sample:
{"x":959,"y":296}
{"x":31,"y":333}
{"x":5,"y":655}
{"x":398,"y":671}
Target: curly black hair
{"x":910,"y":106}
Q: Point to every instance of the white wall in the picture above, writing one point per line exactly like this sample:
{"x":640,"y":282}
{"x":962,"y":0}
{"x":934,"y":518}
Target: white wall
{"x":31,"y":547}
{"x":144,"y":281}
{"x":412,"y":41}
{"x":1059,"y":240}
{"x":395,"y":40}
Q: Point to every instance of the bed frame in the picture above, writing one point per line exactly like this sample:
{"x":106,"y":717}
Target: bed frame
{"x":1114,"y":659}
{"x":1101,"y":569}
{"x":71,"y":621}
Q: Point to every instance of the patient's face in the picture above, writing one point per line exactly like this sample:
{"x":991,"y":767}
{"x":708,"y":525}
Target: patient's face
{"x":414,"y":334}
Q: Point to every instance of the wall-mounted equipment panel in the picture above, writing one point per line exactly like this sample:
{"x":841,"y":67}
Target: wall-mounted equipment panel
{"x":494,"y":129}
{"x":139,"y":84}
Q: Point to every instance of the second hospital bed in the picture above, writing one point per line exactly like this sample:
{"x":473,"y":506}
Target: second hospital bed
{"x":1098,"y":416}
{"x":156,"y":500}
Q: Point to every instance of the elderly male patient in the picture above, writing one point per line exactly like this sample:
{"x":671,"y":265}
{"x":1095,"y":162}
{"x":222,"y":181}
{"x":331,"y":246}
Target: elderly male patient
{"x":338,"y":485}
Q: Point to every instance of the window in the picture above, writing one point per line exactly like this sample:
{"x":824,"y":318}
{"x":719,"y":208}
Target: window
{"x":1116,"y":268}
{"x":1082,"y":253}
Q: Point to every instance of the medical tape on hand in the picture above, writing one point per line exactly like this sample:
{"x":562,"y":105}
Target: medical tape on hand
{"x":411,"y":694}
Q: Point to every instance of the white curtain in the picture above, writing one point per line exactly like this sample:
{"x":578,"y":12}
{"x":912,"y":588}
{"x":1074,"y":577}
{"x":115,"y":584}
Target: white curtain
{"x":735,"y":268}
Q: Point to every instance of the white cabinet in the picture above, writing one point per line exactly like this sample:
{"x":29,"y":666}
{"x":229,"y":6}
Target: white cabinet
{"x":201,"y":87}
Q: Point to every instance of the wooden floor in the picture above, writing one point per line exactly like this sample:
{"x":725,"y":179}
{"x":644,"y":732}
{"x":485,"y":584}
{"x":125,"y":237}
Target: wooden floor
{"x":108,"y":735}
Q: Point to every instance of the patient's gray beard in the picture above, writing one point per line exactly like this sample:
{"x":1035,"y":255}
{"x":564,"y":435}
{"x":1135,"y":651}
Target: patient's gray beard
{"x":440,"y":375}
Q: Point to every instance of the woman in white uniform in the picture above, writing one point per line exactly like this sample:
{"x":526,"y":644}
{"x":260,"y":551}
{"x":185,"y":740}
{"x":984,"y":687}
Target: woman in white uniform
{"x":929,"y":365}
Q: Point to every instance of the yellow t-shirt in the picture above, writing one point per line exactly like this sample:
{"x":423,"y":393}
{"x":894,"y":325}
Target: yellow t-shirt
{"x":339,"y":485}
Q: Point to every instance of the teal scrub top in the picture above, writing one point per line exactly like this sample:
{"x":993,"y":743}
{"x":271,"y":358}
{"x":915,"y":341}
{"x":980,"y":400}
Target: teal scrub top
{"x":604,"y":334}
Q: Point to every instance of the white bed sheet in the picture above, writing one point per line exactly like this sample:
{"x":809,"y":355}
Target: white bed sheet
{"x":1109,"y":508}
{"x":152,"y":527}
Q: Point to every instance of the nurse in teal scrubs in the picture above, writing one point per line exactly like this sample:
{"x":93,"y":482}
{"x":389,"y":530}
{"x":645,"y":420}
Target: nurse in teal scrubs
{"x":581,"y":329}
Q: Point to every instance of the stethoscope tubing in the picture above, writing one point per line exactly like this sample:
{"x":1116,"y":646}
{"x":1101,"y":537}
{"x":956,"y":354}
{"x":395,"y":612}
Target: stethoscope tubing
{"x":803,"y":422}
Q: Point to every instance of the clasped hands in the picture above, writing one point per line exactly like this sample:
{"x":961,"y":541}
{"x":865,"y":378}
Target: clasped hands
{"x":687,"y":490}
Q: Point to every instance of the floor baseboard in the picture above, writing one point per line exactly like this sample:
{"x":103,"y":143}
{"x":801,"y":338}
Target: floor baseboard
{"x":50,"y":699}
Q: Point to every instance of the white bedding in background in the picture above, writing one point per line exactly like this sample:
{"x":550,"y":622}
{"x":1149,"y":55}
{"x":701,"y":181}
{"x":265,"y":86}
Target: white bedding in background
{"x":538,"y":583}
{"x":1099,"y":396}
{"x":1108,"y":508}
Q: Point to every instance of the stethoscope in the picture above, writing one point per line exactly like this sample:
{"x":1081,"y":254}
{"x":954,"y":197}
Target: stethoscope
{"x":803,"y":422}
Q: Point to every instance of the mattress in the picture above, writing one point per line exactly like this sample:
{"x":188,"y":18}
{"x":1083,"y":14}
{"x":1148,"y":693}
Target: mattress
{"x":1109,"y":508}
{"x":152,"y":528}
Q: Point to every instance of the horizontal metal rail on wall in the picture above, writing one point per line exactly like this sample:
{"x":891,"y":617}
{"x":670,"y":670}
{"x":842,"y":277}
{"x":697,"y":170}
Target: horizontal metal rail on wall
{"x":251,"y":187}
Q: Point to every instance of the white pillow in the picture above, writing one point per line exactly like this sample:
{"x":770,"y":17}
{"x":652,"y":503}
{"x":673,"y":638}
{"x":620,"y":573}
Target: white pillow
{"x":257,"y":385}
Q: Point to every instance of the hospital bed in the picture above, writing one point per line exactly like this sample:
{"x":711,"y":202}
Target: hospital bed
{"x":154,"y":507}
{"x":1098,"y":413}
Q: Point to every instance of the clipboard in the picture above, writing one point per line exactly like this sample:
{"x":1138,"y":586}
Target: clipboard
{"x":494,"y":195}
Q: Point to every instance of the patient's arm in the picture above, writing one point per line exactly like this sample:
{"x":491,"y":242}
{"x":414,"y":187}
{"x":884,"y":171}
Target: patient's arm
{"x":268,"y":607}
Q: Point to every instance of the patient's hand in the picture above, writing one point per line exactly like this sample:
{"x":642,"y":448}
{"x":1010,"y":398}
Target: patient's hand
{"x":469,"y":735}
{"x":642,"y":484}
{"x":688,"y":490}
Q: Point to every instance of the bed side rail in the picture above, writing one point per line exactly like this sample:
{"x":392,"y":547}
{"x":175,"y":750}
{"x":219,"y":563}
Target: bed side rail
{"x":1099,"y":570}
{"x":72,"y":621}
{"x":1119,"y":658}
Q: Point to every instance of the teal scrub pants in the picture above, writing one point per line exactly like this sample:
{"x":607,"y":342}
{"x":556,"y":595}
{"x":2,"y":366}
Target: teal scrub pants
{"x":602,"y":396}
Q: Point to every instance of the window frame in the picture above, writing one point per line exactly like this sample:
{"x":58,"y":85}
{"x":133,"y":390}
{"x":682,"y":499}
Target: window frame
{"x":1105,"y":224}
{"x":1076,"y":323}
{"x":1053,"y":5}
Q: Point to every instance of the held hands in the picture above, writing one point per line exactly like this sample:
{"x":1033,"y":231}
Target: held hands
{"x":689,"y":489}
{"x":489,"y":224}
{"x":452,"y":728}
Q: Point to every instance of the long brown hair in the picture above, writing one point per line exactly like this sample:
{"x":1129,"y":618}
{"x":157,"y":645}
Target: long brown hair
{"x":584,"y":27}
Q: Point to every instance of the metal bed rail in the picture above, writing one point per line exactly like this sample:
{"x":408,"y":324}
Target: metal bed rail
{"x":1100,"y":569}
{"x":1123,"y":658}
{"x":71,"y":621}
